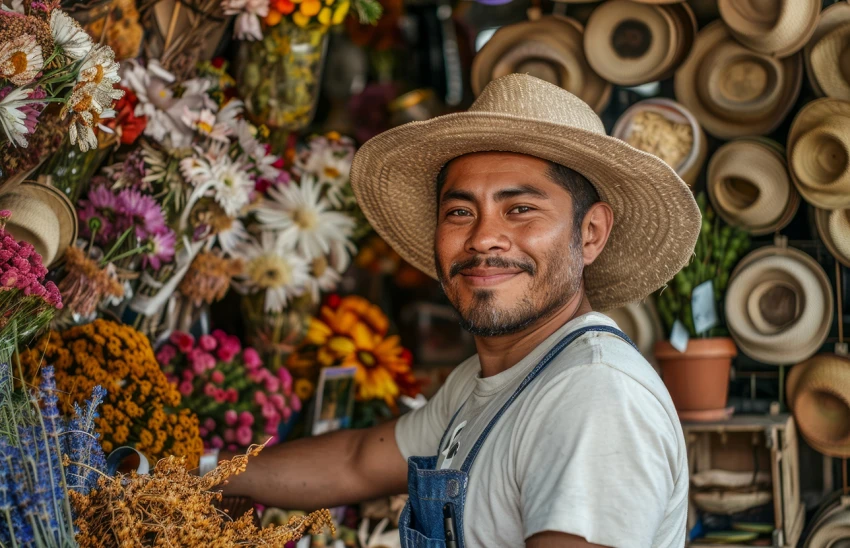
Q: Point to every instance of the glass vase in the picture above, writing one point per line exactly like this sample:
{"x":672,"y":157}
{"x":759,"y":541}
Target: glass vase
{"x":71,"y":169}
{"x":275,"y":335}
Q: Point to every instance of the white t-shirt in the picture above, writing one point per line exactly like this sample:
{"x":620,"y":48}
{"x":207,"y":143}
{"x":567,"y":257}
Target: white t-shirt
{"x":593,"y":446}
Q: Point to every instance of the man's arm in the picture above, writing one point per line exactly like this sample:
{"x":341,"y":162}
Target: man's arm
{"x":325,"y":471}
{"x":553,"y":539}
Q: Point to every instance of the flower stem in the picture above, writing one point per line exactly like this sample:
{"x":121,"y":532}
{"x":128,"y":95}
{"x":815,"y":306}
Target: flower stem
{"x":116,"y":246}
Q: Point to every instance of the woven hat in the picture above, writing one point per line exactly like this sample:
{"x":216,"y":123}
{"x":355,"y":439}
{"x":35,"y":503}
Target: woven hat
{"x":749,"y":186}
{"x":629,"y":43}
{"x":819,"y":153}
{"x":774,"y":27}
{"x":656,"y":217}
{"x":779,"y":305}
{"x":830,"y":59}
{"x":818,"y":392}
{"x":636,"y":320}
{"x":43,"y":216}
{"x":831,"y":18}
{"x":834,"y":230}
{"x":549,"y":48}
{"x":734,"y":91}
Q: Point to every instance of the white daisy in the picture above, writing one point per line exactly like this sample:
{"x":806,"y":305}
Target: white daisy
{"x":204,"y":123}
{"x":256,"y":151}
{"x":331,"y":165}
{"x":20,"y":59}
{"x":12,"y":118}
{"x":233,"y":238}
{"x":101,"y":69}
{"x":69,"y":36}
{"x":326,"y":272}
{"x":304,"y":217}
{"x":216,"y":174}
{"x":270,"y":265}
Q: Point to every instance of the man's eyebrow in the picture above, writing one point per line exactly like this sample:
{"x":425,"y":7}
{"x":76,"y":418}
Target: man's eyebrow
{"x":502,"y":195}
{"x":461,"y":195}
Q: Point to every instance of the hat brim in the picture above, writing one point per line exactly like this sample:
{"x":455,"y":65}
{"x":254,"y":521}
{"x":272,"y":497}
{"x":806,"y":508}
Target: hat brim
{"x":776,"y":42}
{"x":822,"y":224}
{"x":656,"y":220}
{"x":62,"y":208}
{"x":796,"y":382}
{"x":830,"y":18}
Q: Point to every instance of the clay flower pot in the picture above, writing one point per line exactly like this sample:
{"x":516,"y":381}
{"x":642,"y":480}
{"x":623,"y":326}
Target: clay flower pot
{"x":697,"y":379}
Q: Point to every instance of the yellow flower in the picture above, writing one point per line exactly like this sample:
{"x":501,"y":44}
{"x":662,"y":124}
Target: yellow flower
{"x":340,"y":13}
{"x":377,"y":360}
{"x":300,"y":19}
{"x":310,"y":7}
{"x":325,"y":15}
{"x":303,"y":389}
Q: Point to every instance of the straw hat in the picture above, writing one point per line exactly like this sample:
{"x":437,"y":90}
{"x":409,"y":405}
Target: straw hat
{"x":749,"y":186}
{"x":818,"y":392}
{"x":734,"y":91}
{"x":834,"y":229}
{"x":43,"y":216}
{"x":830,"y":60}
{"x":779,"y":305}
{"x":819,"y":153}
{"x":636,"y":320}
{"x":549,"y":48}
{"x":831,"y":18}
{"x":657,"y":220}
{"x":774,"y":27}
{"x":630,"y":43}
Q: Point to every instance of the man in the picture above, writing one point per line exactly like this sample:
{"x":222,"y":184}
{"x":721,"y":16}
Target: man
{"x":558,"y":432}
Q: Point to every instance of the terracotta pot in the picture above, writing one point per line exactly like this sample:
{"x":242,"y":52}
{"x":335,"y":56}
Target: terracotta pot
{"x":698,"y":379}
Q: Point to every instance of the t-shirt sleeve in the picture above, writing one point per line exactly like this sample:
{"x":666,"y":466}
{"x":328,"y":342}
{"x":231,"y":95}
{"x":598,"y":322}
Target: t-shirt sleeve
{"x":609,"y":472}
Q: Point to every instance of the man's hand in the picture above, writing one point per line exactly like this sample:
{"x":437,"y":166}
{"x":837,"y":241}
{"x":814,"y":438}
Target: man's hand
{"x":551,"y":539}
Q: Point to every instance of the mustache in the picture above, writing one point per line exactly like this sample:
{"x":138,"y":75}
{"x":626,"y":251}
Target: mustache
{"x":492,"y":262}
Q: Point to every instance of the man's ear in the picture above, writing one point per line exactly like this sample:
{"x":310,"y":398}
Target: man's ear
{"x":595,"y":230}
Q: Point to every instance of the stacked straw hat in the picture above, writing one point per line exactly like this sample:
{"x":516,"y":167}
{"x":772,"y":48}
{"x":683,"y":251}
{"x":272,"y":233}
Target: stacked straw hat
{"x":834,"y":229}
{"x":639,"y":322}
{"x":749,"y":186}
{"x":775,"y":27}
{"x":818,"y":392}
{"x":779,"y":305}
{"x":833,"y":20}
{"x":549,"y":48}
{"x":735,"y":91}
{"x":830,"y":61}
{"x":630,"y":43}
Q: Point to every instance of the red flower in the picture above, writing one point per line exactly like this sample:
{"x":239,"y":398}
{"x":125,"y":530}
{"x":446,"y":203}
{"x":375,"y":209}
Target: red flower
{"x":184,"y":341}
{"x":130,"y":125}
{"x":332,"y":301}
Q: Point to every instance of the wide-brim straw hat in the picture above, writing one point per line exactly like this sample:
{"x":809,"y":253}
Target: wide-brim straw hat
{"x":779,"y":30}
{"x":830,"y":60}
{"x":630,"y":43}
{"x":549,"y":48}
{"x":819,"y":153}
{"x":43,"y":216}
{"x":656,"y":217}
{"x":734,"y":91}
{"x":834,"y":230}
{"x":818,"y":392}
{"x":831,"y":18}
{"x":779,"y":305}
{"x":749,"y":186}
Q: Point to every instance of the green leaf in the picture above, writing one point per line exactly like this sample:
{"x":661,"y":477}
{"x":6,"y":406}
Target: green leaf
{"x":368,"y":11}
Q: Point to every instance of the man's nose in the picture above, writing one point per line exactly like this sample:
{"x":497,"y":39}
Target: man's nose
{"x":488,"y":235}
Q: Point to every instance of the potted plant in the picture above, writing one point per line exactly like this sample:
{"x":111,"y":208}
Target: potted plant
{"x":696,"y":361}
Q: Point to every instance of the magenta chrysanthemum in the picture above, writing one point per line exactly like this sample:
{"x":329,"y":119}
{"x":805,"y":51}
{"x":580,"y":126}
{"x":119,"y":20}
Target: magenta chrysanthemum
{"x":142,"y":212}
{"x":162,"y":249}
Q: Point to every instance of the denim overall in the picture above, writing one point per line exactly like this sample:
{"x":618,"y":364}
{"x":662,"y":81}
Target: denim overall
{"x":421,"y":523}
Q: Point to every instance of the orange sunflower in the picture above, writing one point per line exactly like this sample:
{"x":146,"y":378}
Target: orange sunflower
{"x":379,"y":361}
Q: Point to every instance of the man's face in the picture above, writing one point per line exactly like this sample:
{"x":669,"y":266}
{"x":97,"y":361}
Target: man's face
{"x":506,"y":251}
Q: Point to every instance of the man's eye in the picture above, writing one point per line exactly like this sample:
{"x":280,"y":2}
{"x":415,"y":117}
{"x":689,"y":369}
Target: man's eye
{"x":458,"y":213}
{"x":520,"y":209}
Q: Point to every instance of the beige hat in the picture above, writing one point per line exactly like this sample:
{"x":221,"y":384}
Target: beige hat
{"x":734,"y":91}
{"x":819,"y":153}
{"x":831,"y":18}
{"x":818,"y":392}
{"x":638,"y":322}
{"x":42,"y":216}
{"x":779,"y":305}
{"x":549,"y":48}
{"x":773,"y":27}
{"x":657,"y":220}
{"x":749,"y":186}
{"x":834,"y":229}
{"x":830,"y":60}
{"x":629,"y":43}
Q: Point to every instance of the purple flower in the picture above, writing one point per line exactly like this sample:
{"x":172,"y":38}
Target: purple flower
{"x":142,"y":212}
{"x":102,"y":205}
{"x":161,"y":250}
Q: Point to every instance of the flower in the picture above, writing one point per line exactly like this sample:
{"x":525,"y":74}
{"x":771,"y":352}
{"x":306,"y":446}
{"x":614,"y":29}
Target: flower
{"x":328,"y":158}
{"x":271,"y":266}
{"x":204,"y":122}
{"x":322,"y":278}
{"x":99,"y":68}
{"x":161,"y":249}
{"x":129,"y":125}
{"x":101,"y":204}
{"x":13,"y":117}
{"x":248,"y":20}
{"x":20,"y":59}
{"x":378,"y":361}
{"x":69,"y":36}
{"x":140,"y":211}
{"x":214,"y":173}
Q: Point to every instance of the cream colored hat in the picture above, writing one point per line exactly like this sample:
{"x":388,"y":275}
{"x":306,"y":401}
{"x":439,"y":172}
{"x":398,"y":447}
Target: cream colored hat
{"x":657,"y":220}
{"x":834,"y":230}
{"x":779,"y":305}
{"x":831,"y":18}
{"x":749,"y":186}
{"x":818,"y":392}
{"x":819,"y":153}
{"x":830,"y":59}
{"x":773,"y":27}
{"x":734,"y":91}
{"x":636,"y":320}
{"x":549,"y":48}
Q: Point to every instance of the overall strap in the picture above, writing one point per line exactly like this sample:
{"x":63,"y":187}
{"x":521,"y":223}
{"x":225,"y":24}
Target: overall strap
{"x":547,"y":359}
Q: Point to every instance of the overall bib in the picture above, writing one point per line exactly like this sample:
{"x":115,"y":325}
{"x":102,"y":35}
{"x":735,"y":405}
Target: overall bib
{"x":421,"y":523}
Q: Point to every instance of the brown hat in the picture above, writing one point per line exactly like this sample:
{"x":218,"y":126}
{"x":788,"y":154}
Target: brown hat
{"x":734,"y":91}
{"x":831,"y":18}
{"x":549,"y":48}
{"x":630,"y":43}
{"x":834,"y":229}
{"x":779,"y":30}
{"x":749,"y":186}
{"x":819,"y":153}
{"x":818,"y":392}
{"x":830,"y":60}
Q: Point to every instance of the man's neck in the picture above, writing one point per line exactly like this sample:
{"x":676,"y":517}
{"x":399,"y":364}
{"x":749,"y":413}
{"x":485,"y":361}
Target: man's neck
{"x":498,"y":354}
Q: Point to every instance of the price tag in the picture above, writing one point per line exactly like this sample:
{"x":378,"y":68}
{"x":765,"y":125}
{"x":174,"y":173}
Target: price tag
{"x":703,"y":307}
{"x":679,"y":336}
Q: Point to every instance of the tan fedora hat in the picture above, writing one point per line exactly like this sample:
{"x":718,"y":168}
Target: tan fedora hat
{"x":834,"y":230}
{"x":818,"y":392}
{"x":549,"y":48}
{"x":734,"y":91}
{"x":831,"y":18}
{"x":43,"y":216}
{"x":774,"y":27}
{"x":657,"y":220}
{"x":779,"y":305}
{"x":819,"y":153}
{"x":830,"y":59}
{"x":749,"y":186}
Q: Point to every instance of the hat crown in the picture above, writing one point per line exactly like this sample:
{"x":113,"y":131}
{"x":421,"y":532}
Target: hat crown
{"x":531,"y":98}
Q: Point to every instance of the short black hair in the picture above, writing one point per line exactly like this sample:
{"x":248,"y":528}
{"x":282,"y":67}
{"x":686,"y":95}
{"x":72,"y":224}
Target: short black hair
{"x":581,"y":190}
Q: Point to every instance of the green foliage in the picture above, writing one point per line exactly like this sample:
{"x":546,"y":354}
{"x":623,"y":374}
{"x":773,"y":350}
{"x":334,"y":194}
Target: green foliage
{"x":368,"y":11}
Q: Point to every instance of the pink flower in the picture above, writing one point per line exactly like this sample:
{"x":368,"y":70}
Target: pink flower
{"x":166,"y":354}
{"x":217,"y":442}
{"x":141,"y":212}
{"x":203,"y":432}
{"x":220,"y":396}
{"x":272,"y":384}
{"x":230,"y":435}
{"x":271,"y":427}
{"x":295,"y":403}
{"x":198,"y":367}
{"x":161,"y":247}
{"x":217,"y":377}
{"x":186,"y":388}
{"x":230,"y":417}
{"x":277,"y":400}
{"x":188,"y":375}
{"x":219,"y":335}
{"x":246,"y":418}
{"x":244,"y":435}
{"x":101,"y":205}
{"x":252,"y":359}
{"x":229,"y":348}
{"x":202,"y":361}
{"x":209,"y":423}
{"x":232,"y":395}
{"x":207,"y":342}
{"x":5,"y":214}
{"x":287,"y":414}
{"x":184,"y":341}
{"x":9,"y":278}
{"x":285,"y":379}
{"x":260,"y":398}
{"x":269,"y":411}
{"x":210,"y":390}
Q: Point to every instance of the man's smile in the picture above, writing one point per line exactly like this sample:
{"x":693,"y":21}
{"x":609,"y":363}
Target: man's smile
{"x":488,"y":276}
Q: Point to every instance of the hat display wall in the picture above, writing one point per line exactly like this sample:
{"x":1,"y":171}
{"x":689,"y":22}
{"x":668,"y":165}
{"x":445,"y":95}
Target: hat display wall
{"x":834,"y":230}
{"x":549,"y":48}
{"x":818,"y":392}
{"x":734,"y":91}
{"x":830,"y":61}
{"x":749,"y":186}
{"x":779,"y":305}
{"x":638,"y":321}
{"x":393,"y":177}
{"x":831,"y":18}
{"x":43,"y":216}
{"x":819,"y":153}
{"x":773,"y":27}
{"x":630,"y":43}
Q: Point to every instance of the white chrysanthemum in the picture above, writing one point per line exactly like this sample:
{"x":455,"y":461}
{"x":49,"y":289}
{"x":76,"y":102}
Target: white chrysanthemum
{"x":326,"y":272}
{"x":69,"y":36}
{"x":12,"y":118}
{"x":204,"y":123}
{"x":217,"y":175}
{"x":100,"y":69}
{"x":272,"y":266}
{"x":305,"y":218}
{"x":20,"y":59}
{"x":331,"y":166}
{"x":256,"y":151}
{"x":233,"y":239}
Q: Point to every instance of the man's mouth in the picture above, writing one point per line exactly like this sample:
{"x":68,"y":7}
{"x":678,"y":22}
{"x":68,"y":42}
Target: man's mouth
{"x":488,"y":276}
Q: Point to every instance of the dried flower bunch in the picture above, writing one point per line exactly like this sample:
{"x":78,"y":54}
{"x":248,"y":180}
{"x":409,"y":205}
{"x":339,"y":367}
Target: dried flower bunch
{"x":208,"y":278}
{"x":172,"y":507}
{"x":87,"y":283}
{"x":669,"y":140}
{"x":142,"y":407}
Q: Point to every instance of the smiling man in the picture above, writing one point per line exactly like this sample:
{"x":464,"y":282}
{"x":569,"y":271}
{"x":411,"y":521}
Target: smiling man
{"x":557,"y":432}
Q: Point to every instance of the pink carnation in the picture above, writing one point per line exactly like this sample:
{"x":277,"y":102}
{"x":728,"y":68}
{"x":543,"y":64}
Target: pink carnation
{"x":186,"y":388}
{"x":217,"y":442}
{"x":230,"y":417}
{"x":278,"y":401}
{"x":285,"y":379}
{"x":207,"y":342}
{"x":210,"y":390}
{"x":232,"y":395}
{"x":166,"y":354}
{"x":184,"y":341}
{"x":230,"y":435}
{"x":272,"y":384}
{"x":295,"y":403}
{"x":209,"y":423}
{"x":287,"y":413}
{"x":252,"y":359}
{"x":246,"y":418}
{"x":260,"y":398}
{"x":217,"y":377}
{"x":244,"y":435}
